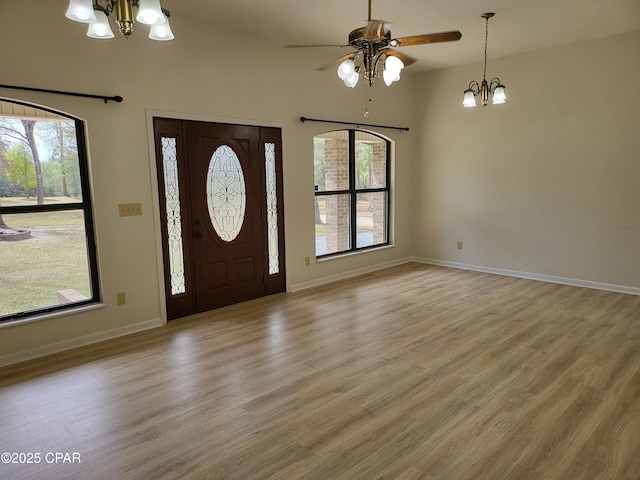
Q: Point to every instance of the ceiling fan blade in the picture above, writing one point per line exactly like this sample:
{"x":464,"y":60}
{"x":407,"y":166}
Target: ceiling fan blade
{"x":313,"y":46}
{"x":406,"y":59}
{"x":336,"y":62}
{"x":376,"y":29}
{"x":429,"y":38}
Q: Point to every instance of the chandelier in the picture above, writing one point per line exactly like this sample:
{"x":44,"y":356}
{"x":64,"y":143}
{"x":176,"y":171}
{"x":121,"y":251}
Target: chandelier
{"x":494,"y":87}
{"x":95,"y":13}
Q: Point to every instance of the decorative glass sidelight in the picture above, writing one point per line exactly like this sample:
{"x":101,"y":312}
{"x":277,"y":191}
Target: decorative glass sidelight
{"x":272,"y":207}
{"x":226,"y":193}
{"x":174,"y":218}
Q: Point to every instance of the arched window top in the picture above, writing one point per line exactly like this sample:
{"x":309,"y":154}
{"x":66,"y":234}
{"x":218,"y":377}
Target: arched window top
{"x":47,"y":246}
{"x":352,"y":188}
{"x":10,"y":108}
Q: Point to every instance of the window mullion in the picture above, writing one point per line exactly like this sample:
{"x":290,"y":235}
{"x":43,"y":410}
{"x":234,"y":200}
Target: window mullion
{"x":353,"y":201}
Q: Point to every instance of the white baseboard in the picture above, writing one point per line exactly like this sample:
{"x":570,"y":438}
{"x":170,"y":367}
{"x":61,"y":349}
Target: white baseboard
{"x":77,"y":342}
{"x":342,"y":276}
{"x":531,"y":276}
{"x":476,"y":268}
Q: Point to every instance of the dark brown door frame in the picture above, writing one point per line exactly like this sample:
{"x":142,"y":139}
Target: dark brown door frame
{"x":185,"y":304}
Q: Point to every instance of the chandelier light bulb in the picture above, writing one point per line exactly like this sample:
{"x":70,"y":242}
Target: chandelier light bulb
{"x":499,"y":96}
{"x":469,"y":99}
{"x":150,"y":12}
{"x":161,"y":31}
{"x":100,"y":28}
{"x":81,"y":11}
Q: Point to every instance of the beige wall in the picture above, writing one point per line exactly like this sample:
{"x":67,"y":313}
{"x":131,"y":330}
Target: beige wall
{"x":206,"y":72}
{"x":548,"y":183}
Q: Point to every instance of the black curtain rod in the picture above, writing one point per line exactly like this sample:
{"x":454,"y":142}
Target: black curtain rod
{"x":305,"y":119}
{"x":117,"y":98}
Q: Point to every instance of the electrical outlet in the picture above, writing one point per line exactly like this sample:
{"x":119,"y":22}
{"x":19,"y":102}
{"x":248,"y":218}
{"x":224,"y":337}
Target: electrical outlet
{"x":130,"y":209}
{"x":307,"y":261}
{"x":121,"y":297}
{"x":459,"y":245}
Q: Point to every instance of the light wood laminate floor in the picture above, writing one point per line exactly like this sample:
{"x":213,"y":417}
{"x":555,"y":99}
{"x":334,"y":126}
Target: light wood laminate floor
{"x":415,"y":372}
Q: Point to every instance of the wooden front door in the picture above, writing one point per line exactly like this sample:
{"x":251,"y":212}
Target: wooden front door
{"x":220,"y":191}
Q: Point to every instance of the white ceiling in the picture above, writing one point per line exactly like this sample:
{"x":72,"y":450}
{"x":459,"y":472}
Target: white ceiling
{"x":519,"y":25}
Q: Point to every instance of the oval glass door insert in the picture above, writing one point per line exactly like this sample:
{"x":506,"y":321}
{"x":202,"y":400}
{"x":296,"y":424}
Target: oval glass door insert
{"x":226,"y":193}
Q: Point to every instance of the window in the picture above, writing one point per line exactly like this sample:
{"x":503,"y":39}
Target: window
{"x":47,"y":247}
{"x":351,"y":170}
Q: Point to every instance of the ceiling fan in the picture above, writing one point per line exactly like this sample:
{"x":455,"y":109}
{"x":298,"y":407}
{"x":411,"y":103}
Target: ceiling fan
{"x":374,"y":52}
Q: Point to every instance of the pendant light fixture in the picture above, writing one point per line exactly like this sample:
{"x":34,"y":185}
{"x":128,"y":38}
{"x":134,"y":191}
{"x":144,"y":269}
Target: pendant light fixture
{"x":96,"y":12}
{"x":494,"y":87}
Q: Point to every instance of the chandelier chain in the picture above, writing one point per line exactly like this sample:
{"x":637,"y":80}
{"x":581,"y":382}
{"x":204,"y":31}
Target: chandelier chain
{"x":486,"y":38}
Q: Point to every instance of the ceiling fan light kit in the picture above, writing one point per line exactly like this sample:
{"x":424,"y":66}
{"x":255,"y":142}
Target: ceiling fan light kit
{"x":349,"y":72}
{"x":96,"y":12}
{"x":374,"y":55}
{"x":493,"y":87}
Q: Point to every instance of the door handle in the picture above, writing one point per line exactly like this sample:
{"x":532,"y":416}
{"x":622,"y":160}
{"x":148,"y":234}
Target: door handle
{"x":198,"y":235}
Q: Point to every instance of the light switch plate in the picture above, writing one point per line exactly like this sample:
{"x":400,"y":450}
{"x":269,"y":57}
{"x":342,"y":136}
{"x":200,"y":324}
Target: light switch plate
{"x":130,"y":209}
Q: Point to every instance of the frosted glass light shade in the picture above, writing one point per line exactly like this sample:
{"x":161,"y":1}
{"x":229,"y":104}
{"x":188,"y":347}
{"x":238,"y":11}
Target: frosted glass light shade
{"x":150,"y":12}
{"x":394,"y":64}
{"x":352,"y":80}
{"x":81,"y":11}
{"x":392,"y":68}
{"x":346,"y":68}
{"x":161,"y":31}
{"x":469,"y":99}
{"x":389,"y":76}
{"x":100,"y":28}
{"x":499,"y":95}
